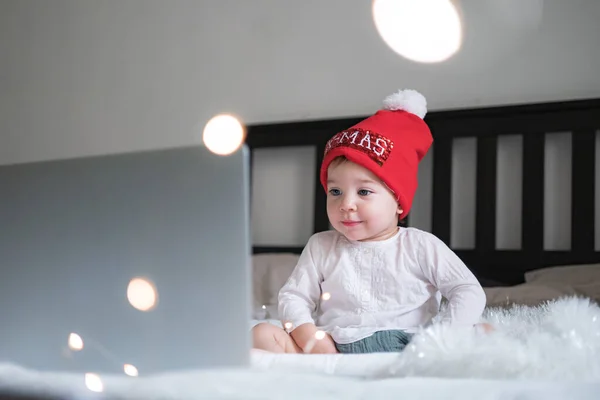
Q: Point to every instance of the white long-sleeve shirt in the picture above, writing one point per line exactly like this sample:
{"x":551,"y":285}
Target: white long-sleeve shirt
{"x":392,"y":284}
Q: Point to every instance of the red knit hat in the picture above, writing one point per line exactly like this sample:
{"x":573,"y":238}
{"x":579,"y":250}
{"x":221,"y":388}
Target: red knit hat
{"x":390,"y":144}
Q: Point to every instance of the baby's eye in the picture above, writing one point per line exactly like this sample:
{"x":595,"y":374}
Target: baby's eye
{"x":335,"y":192}
{"x":364,"y":192}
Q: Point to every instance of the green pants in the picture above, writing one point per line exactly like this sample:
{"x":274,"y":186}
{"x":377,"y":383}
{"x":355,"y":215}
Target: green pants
{"x":379,"y":342}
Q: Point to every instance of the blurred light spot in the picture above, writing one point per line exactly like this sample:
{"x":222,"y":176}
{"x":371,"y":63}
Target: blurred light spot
{"x":424,"y":31}
{"x":142,"y":294}
{"x":94,"y":383}
{"x":223,"y":134}
{"x":75,"y":342}
{"x":130,"y":370}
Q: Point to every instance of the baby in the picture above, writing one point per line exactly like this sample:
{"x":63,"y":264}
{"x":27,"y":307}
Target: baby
{"x":369,"y":285}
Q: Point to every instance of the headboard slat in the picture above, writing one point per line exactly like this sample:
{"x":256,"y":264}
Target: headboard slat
{"x":485,"y":216}
{"x":442,"y":187}
{"x":583,"y":185}
{"x":533,"y":195}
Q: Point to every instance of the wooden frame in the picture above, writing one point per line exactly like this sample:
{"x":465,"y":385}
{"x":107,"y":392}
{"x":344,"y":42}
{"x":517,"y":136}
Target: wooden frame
{"x":581,"y":117}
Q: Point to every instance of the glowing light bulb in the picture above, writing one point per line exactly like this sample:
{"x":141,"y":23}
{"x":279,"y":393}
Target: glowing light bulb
{"x":130,"y":370}
{"x":264,"y":307}
{"x":75,"y":342}
{"x":319,"y":335}
{"x":425,"y":31}
{"x":288,"y":326}
{"x":223,"y":134}
{"x":142,"y":294}
{"x":94,"y":383}
{"x":326,"y":296}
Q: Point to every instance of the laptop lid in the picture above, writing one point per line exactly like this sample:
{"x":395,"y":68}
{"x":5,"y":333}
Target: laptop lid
{"x":83,"y":242}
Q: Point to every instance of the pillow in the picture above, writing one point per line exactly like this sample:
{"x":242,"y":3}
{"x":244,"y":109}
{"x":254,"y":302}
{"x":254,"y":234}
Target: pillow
{"x":269,"y":274}
{"x":524,"y":294}
{"x":570,"y":275}
{"x":591,"y":290}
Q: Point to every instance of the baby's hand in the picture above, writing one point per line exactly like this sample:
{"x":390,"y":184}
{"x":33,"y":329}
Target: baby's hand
{"x":309,"y":339}
{"x":325,"y":346}
{"x":484,"y":327}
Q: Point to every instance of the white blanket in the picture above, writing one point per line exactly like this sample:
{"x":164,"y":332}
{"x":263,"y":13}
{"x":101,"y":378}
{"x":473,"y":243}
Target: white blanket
{"x":549,"y":352}
{"x":558,"y":341}
{"x":244,"y":385}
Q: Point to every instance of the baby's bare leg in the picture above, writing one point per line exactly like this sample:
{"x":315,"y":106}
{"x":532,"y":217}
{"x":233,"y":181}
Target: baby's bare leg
{"x":271,"y":338}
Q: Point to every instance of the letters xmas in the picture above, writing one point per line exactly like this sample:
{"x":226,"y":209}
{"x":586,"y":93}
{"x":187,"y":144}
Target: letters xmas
{"x":376,"y":146}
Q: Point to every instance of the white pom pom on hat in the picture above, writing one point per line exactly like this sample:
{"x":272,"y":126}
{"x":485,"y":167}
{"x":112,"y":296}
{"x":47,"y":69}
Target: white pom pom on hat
{"x":407,"y":100}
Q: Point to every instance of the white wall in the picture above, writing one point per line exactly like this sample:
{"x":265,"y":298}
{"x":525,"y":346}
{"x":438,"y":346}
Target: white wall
{"x":85,"y":77}
{"x":82,"y":77}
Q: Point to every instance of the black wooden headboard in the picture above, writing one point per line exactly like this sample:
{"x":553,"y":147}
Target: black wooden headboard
{"x":581,"y":117}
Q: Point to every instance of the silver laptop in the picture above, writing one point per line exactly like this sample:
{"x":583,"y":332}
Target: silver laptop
{"x":133,"y":263}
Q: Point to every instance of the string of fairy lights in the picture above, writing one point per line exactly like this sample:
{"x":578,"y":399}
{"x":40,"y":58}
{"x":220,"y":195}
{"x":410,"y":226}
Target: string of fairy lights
{"x":92,"y":380}
{"x":143,"y":296}
{"x":222,"y":135}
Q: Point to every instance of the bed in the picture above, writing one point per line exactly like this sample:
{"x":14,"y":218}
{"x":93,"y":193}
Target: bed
{"x":541,"y":292}
{"x":544,"y":302}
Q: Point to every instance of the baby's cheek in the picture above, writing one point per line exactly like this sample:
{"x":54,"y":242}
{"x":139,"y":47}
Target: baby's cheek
{"x":378,"y":218}
{"x":332,"y":205}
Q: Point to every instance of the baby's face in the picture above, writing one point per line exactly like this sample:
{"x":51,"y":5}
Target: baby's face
{"x":359,"y":205}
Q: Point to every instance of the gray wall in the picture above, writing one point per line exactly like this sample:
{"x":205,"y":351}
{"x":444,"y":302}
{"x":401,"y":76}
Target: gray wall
{"x":82,"y":77}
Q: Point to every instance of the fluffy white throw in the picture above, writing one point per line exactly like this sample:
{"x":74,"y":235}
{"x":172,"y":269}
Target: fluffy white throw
{"x":558,"y":341}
